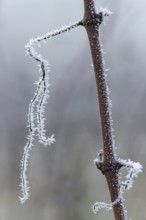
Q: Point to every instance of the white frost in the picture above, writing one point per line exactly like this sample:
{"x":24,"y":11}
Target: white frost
{"x":105,"y":12}
{"x":133,"y":168}
{"x":36,"y":118}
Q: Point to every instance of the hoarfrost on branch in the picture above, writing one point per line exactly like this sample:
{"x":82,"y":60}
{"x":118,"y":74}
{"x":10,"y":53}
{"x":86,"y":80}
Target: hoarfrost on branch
{"x":36,"y":111}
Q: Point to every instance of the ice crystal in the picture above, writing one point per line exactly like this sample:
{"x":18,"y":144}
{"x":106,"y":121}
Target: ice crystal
{"x":133,"y":169}
{"x":105,"y":12}
{"x":102,"y":205}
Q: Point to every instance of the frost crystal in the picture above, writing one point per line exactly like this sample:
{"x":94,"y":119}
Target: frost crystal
{"x":133,"y":168}
{"x":36,"y":116}
{"x":102,"y":205}
{"x":105,"y":12}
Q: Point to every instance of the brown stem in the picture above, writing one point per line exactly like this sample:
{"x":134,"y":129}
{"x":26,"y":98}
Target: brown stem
{"x":109,"y":166}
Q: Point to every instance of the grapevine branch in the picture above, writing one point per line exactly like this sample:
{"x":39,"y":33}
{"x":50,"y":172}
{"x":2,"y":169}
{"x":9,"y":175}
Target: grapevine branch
{"x":107,"y":162}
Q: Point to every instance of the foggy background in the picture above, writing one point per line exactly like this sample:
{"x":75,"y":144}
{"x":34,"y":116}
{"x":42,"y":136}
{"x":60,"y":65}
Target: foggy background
{"x":63,"y":179}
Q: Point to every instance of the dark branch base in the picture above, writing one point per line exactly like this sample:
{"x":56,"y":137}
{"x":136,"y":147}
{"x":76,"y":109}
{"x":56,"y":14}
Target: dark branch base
{"x":106,"y":167}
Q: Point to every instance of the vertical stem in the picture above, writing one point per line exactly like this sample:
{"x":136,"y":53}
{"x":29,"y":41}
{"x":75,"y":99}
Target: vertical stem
{"x":102,"y":88}
{"x":89,"y":8}
{"x":113,"y":185}
{"x":109,"y":166}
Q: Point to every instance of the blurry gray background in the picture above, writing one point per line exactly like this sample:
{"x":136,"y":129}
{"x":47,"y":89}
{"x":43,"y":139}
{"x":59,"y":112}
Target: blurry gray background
{"x":63,"y":179}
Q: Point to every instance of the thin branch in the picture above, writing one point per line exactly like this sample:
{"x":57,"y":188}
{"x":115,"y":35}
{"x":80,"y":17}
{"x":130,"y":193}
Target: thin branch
{"x":109,"y":165}
{"x":36,"y":118}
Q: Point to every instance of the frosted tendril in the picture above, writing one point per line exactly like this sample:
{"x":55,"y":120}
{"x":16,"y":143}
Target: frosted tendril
{"x":133,"y":169}
{"x":36,"y":111}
